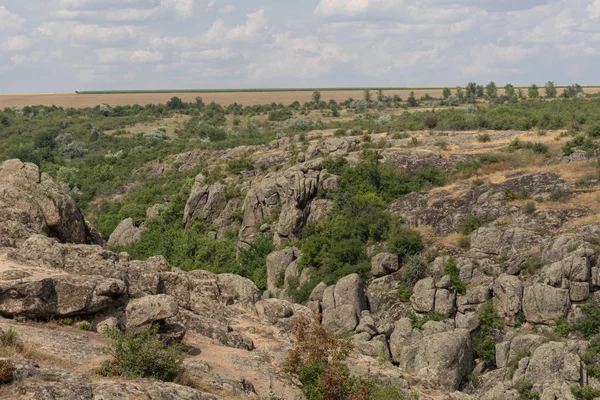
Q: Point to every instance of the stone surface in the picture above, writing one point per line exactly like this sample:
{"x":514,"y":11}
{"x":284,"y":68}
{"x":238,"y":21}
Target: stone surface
{"x":149,"y":309}
{"x":125,"y":233}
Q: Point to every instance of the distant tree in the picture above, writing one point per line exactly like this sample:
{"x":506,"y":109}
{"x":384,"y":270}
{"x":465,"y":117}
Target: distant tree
{"x":480,"y":91}
{"x":397,"y":99}
{"x":446,"y":93}
{"x":199,"y":102}
{"x":491,"y":90}
{"x":550,"y":90}
{"x":509,"y":91}
{"x":572,"y":91}
{"x":175,"y":103}
{"x":412,"y":101}
{"x":335,"y":112}
{"x":380,"y":96}
{"x":521,"y":94}
{"x":367,"y":95}
{"x":460,"y":94}
{"x":533,"y":92}
{"x":471,"y":89}
{"x":316,"y":97}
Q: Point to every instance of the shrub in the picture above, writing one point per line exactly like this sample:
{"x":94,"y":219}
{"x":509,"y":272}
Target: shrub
{"x":85,"y":326}
{"x":280,"y":115}
{"x":484,"y":138}
{"x":239,"y":164}
{"x":404,"y":293}
{"x":7,"y":372}
{"x":464,"y":242}
{"x":317,"y":360}
{"x":589,"y":325}
{"x":517,"y":144}
{"x":529,"y":208}
{"x":417,"y":322}
{"x":142,"y":355}
{"x":532,"y":265}
{"x":594,"y":131}
{"x":484,"y":342}
{"x":470,"y":224}
{"x":404,"y":241}
{"x":525,"y":389}
{"x":451,"y":269}
{"x":585,"y":393}
{"x":413,"y":270}
{"x":299,"y":124}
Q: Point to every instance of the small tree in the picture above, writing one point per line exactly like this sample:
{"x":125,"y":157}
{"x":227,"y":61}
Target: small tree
{"x":367,"y":95}
{"x":317,"y":360}
{"x":520,"y":94}
{"x":412,"y":101}
{"x":534,"y":91}
{"x":460,"y":94}
{"x":480,"y":90}
{"x":471,"y":89}
{"x":509,"y":91}
{"x":175,"y":103}
{"x":446,"y":93}
{"x":491,"y":90}
{"x":550,"y":90}
{"x":316,"y":97}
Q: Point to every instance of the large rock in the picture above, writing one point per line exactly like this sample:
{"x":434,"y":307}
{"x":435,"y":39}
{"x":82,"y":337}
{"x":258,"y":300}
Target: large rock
{"x":384,"y":264}
{"x":59,"y":296}
{"x":445,"y":359}
{"x":32,"y":203}
{"x":236,"y":289}
{"x":555,"y":361}
{"x":274,"y":309}
{"x":343,"y":304}
{"x":423,"y":298}
{"x":205,"y":202}
{"x":125,"y":233}
{"x":150,"y":309}
{"x":543,"y":303}
{"x":277,"y":263}
{"x":508,"y":294}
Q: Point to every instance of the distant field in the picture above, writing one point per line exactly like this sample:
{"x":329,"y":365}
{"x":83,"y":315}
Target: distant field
{"x":223,"y":97}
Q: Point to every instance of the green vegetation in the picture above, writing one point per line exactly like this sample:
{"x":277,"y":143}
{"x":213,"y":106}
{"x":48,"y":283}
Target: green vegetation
{"x":588,"y":325}
{"x":453,"y":272}
{"x":142,"y":355}
{"x":526,"y":391}
{"x":484,"y":340}
{"x":585,"y":393}
{"x":418,"y":321}
{"x":470,"y":224}
{"x":318,"y":361}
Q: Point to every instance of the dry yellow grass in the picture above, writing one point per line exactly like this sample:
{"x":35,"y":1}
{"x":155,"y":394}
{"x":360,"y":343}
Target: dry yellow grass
{"x":169,"y":124}
{"x":246,"y":98}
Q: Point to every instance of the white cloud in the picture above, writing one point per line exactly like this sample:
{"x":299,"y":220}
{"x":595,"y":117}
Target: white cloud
{"x":16,"y":43}
{"x":222,"y":54}
{"x":87,"y":33}
{"x":228,"y":9}
{"x":18,"y":59}
{"x":9,"y":21}
{"x":123,"y":11}
{"x":256,"y":24}
{"x":122,"y":56}
{"x":594,"y":9}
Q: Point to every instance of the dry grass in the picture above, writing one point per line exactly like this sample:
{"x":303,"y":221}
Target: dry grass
{"x":169,"y":124}
{"x":30,"y":352}
{"x":245,"y":98}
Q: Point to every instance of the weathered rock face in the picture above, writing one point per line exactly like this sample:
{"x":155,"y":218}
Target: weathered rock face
{"x":343,"y":304}
{"x":150,"y":309}
{"x":31,"y":203}
{"x":277,"y":263}
{"x":445,"y":212}
{"x":32,"y":382}
{"x":125,"y":233}
{"x":445,"y":358}
{"x":544,"y":303}
{"x":508,"y":295}
{"x":383,"y":264}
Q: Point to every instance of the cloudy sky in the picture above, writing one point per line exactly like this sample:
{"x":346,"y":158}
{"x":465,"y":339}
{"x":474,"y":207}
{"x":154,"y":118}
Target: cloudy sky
{"x":68,"y":45}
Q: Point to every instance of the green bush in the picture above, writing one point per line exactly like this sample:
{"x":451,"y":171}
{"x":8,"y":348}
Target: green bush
{"x":85,"y":326}
{"x":529,"y":208}
{"x":594,"y":131}
{"x":484,"y":342}
{"x":525,"y":389}
{"x":417,"y":321}
{"x":517,"y":144}
{"x":470,"y":224}
{"x":404,"y":293}
{"x":142,"y":355}
{"x":453,"y":272}
{"x":404,"y":241}
{"x":585,"y":393}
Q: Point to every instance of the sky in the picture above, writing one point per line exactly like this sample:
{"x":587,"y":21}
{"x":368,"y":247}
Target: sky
{"x":69,"y":45}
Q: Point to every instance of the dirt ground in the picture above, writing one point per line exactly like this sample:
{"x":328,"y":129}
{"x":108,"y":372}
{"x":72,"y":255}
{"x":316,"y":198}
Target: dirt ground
{"x":244,"y":98}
